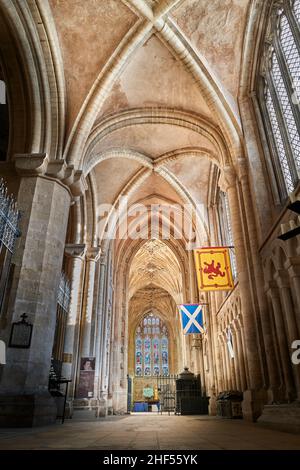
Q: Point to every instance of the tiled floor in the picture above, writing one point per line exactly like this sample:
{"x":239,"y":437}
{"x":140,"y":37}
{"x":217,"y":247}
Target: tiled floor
{"x":150,"y":432}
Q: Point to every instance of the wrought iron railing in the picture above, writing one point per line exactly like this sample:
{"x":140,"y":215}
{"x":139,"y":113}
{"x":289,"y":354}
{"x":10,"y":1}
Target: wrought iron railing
{"x":62,"y":310}
{"x":9,"y":232}
{"x":9,"y":219}
{"x":64,"y":293}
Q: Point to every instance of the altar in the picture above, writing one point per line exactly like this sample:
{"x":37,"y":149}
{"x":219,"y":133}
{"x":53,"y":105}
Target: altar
{"x":149,"y":401}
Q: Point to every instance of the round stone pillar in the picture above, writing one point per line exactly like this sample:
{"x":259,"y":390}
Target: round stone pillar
{"x":230,"y":183}
{"x":75,"y":254}
{"x":92,"y":257}
{"x":44,"y":204}
{"x":240,"y":357}
{"x":289,"y":315}
{"x":252,"y":403}
{"x":273,"y":293}
{"x":266,"y":346}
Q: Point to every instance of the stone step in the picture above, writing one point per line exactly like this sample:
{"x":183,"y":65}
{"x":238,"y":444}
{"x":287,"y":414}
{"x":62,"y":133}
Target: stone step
{"x":281,"y":417}
{"x":84,"y":414}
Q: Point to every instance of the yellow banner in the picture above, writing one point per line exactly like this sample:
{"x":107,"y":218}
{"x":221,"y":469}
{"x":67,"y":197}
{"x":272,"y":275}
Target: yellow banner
{"x":214,"y":271}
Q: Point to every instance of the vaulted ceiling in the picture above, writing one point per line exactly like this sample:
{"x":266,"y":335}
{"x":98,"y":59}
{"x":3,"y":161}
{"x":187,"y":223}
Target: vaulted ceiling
{"x":133,"y":55}
{"x":155,"y":135}
{"x":91,"y":32}
{"x":144,"y":101}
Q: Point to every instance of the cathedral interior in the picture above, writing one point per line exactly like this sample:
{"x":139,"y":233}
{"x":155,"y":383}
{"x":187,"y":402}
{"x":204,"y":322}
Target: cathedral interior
{"x":121,"y":123}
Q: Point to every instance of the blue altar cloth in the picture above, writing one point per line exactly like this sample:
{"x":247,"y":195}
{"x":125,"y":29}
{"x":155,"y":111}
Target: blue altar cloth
{"x":139,"y":407}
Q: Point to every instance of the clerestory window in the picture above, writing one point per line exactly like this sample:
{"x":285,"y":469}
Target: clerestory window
{"x":280,"y":92}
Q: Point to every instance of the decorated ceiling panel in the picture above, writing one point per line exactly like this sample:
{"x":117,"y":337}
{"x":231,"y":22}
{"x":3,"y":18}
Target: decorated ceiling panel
{"x":155,"y":77}
{"x":89,"y":32}
{"x":153,"y":140}
{"x":216,"y":30}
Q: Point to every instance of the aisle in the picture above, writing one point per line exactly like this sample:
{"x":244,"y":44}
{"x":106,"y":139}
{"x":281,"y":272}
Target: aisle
{"x":150,"y":432}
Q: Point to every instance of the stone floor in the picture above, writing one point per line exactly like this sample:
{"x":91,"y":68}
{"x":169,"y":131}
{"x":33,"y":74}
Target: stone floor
{"x":150,"y":432}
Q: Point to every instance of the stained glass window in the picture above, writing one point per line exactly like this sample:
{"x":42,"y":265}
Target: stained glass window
{"x":282,"y":84}
{"x":151,"y":347}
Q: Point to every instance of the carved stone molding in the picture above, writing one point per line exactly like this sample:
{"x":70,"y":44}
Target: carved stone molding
{"x":31,"y":164}
{"x":75,"y":250}
{"x":39,"y":165}
{"x":228,"y":178}
{"x":93,"y":254}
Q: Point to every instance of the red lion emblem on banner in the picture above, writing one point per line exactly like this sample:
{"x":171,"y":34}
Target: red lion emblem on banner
{"x":213,"y":271}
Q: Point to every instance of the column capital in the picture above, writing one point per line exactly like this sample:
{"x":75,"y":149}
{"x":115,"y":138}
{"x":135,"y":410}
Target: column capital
{"x":73,"y":250}
{"x":38,"y":164}
{"x":228,"y":178}
{"x":237,"y":323}
{"x":34,"y":164}
{"x":103,"y":257}
{"x":293,"y":267}
{"x":93,"y":253}
{"x":197,"y":343}
{"x":282,"y":278}
{"x":272,"y":289}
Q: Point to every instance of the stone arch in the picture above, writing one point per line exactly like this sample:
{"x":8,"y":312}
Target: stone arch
{"x":192,"y":121}
{"x":36,"y":79}
{"x":194,"y":65}
{"x":140,"y":177}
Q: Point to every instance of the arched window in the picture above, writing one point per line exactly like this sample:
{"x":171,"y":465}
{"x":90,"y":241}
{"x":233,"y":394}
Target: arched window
{"x":280,"y":92}
{"x":151,"y":347}
{"x":226,"y":236}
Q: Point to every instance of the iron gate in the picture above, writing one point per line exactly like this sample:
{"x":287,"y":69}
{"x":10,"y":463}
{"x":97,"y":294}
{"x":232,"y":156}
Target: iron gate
{"x":166,"y":387}
{"x":129,"y":394}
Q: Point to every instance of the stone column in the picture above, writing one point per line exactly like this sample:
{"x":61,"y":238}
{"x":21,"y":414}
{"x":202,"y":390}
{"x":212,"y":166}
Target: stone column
{"x":221,"y":373}
{"x":44,"y":203}
{"x":292,"y":329}
{"x":201,"y":366}
{"x":251,"y":405}
{"x":240,"y":355}
{"x":217,"y":352}
{"x":76,"y":257}
{"x":228,"y":363}
{"x":197,"y":344}
{"x":293,"y":268}
{"x":225,"y":368}
{"x":211,"y":372}
{"x":236,"y":361}
{"x":233,"y":364}
{"x":273,"y":292}
{"x":92,"y":258}
{"x":100,"y":392}
{"x":267,"y":352}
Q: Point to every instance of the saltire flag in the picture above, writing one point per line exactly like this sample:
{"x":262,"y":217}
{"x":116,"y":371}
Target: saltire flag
{"x":213,"y":267}
{"x":192,"y":318}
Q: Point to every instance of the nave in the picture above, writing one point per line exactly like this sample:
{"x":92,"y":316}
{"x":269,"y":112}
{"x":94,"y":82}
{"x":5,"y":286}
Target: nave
{"x":155,"y":432}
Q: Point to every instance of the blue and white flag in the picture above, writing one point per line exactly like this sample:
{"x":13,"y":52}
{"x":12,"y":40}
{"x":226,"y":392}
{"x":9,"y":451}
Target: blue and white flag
{"x":192,"y":319}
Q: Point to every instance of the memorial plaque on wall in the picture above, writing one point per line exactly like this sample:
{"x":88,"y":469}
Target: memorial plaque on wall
{"x":86,"y":378}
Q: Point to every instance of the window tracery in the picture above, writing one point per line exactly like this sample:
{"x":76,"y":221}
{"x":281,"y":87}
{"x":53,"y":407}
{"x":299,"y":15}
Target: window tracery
{"x":151,"y":347}
{"x":280,"y":99}
{"x":226,"y":228}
